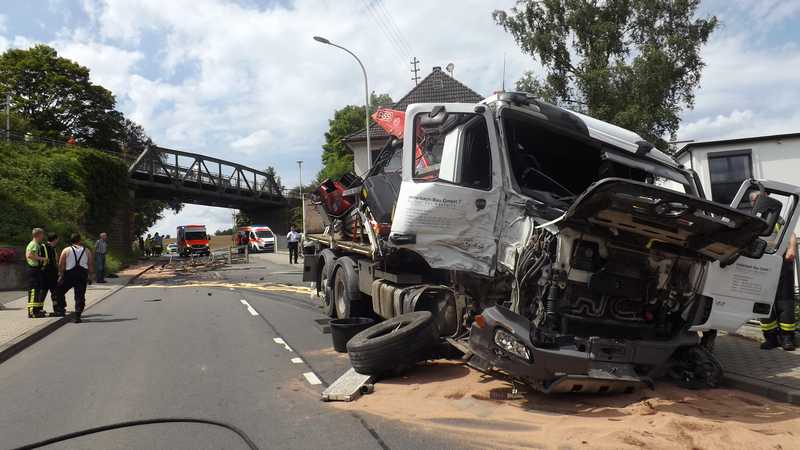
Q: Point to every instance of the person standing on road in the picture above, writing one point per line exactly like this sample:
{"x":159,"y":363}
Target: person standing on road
{"x":148,"y":243}
{"x":100,"y":250}
{"x":51,"y":276}
{"x":36,"y":259}
{"x":157,"y":245}
{"x":293,"y":240}
{"x":74,"y":267}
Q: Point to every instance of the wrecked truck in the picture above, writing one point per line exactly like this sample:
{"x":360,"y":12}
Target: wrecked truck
{"x":554,"y":248}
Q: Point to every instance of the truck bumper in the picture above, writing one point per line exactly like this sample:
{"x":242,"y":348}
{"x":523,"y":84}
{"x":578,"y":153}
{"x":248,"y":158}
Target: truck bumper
{"x":574,"y":364}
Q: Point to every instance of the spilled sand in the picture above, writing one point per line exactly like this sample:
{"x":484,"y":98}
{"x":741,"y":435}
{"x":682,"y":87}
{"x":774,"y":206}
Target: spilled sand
{"x":448,"y":397}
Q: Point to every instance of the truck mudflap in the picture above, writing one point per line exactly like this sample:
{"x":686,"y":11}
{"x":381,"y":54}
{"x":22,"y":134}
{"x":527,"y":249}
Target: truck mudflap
{"x":572,"y":364}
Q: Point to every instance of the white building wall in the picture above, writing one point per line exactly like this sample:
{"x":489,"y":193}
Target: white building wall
{"x":773,"y":159}
{"x":360,"y":161}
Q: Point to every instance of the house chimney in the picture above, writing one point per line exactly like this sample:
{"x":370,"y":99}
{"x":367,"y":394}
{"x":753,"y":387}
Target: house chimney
{"x":437,"y":69}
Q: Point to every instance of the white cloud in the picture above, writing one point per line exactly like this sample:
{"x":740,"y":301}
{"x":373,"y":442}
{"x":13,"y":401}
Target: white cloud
{"x":254,"y":141}
{"x":746,"y":89}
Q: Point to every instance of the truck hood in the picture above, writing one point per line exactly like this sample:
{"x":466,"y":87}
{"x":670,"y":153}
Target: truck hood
{"x":654,"y":217}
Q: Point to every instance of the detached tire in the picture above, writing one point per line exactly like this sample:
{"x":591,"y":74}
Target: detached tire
{"x":328,"y":261}
{"x":394,"y":344}
{"x":346,"y":294}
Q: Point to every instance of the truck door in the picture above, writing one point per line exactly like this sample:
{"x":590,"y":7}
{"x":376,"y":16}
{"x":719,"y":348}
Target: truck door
{"x":746,"y":288}
{"x":449,"y":197}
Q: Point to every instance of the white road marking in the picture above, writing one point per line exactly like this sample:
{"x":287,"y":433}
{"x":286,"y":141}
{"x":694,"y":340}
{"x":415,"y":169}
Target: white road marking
{"x":280,"y":341}
{"x":232,"y":289}
{"x":250,"y":309}
{"x":312,"y":378}
{"x":297,"y":360}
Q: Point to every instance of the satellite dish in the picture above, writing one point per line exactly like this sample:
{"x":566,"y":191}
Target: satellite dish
{"x":449,"y":68}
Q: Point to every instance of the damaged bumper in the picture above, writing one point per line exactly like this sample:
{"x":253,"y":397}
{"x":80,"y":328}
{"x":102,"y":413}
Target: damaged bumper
{"x":569,"y":364}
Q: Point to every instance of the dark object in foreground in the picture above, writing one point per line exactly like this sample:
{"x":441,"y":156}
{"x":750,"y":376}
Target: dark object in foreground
{"x":393,"y":344}
{"x":342,"y":330}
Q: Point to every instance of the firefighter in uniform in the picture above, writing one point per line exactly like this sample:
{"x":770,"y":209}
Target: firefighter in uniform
{"x":780,"y":326}
{"x":51,"y":277}
{"x":36,"y":259}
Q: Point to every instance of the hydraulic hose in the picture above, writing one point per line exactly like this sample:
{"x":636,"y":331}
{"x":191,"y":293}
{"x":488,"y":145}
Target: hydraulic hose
{"x":136,"y":423}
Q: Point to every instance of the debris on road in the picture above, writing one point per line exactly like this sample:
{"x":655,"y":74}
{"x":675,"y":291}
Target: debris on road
{"x":451,"y":398}
{"x":348,"y":387}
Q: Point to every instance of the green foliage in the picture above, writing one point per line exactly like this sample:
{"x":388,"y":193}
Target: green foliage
{"x":57,"y":98}
{"x":337,"y":159}
{"x":634,"y":63}
{"x":60,"y":189}
{"x":225,"y":232}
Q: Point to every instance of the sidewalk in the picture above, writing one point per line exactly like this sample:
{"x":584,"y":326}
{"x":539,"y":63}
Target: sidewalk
{"x":17,"y":331}
{"x":772,"y":373}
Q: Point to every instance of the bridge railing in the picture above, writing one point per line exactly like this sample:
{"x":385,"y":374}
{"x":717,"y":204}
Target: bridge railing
{"x":167,"y":166}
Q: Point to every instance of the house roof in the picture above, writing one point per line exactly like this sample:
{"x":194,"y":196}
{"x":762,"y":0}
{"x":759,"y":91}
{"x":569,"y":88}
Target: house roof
{"x":741,"y":140}
{"x":438,"y":86}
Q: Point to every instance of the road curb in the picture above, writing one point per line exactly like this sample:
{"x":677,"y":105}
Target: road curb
{"x":772,"y":391}
{"x":25,"y":340}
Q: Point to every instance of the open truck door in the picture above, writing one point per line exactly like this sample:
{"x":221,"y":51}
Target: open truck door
{"x":450,"y":194}
{"x":745,"y":288}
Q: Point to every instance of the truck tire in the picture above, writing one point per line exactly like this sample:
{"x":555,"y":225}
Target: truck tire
{"x":393,"y":344}
{"x":328,"y":260}
{"x":345,"y":290}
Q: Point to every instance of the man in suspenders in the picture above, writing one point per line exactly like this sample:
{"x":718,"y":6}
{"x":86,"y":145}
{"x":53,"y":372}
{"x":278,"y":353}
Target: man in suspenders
{"x":74,"y":267}
{"x":35,"y":259}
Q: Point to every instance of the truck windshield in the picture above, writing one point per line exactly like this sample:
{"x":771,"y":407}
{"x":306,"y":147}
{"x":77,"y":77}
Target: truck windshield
{"x":195,"y":236}
{"x":554,"y":166}
{"x":264,"y":234}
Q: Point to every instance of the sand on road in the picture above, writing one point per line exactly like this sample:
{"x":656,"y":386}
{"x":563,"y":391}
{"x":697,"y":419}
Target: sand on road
{"x":449,"y":397}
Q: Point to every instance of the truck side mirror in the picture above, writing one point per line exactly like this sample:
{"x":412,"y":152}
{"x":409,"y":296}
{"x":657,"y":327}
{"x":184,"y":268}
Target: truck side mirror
{"x":768,"y":209}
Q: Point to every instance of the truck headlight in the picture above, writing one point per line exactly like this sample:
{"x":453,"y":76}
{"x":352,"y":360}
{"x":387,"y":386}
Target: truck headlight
{"x":509,"y":343}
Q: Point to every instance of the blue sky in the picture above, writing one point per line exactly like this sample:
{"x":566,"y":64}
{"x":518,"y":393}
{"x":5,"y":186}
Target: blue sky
{"x":243,"y":80}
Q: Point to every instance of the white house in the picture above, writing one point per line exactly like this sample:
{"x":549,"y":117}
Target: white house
{"x":438,"y":86}
{"x":722,"y":165}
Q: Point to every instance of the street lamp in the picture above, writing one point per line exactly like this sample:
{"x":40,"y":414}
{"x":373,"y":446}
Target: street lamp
{"x":366,"y":92}
{"x":302,"y":202}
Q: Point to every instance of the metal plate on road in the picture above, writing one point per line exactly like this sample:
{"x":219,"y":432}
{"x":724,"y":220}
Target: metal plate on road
{"x":348,"y":387}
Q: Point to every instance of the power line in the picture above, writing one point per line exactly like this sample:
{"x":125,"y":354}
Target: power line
{"x":384,"y":28}
{"x":393,"y":26}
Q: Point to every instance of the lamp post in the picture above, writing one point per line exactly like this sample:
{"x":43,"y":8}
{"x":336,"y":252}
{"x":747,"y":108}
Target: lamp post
{"x":366,"y":92}
{"x":302,"y":201}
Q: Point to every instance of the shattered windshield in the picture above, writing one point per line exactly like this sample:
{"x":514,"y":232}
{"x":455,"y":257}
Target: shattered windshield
{"x":555,"y":166}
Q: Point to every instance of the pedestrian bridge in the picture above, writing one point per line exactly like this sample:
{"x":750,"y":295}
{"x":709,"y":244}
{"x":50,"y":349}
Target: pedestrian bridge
{"x":182,"y":177}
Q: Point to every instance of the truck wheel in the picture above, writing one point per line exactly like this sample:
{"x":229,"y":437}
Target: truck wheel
{"x":393,"y":344}
{"x":345,"y":287}
{"x":328,"y":261}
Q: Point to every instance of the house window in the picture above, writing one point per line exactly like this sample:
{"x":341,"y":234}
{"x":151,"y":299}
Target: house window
{"x":727,"y":172}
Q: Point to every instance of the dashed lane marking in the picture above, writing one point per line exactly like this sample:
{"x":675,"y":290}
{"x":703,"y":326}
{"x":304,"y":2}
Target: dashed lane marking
{"x":312,"y":378}
{"x":280,"y":341}
{"x":297,"y":360}
{"x":250,"y":309}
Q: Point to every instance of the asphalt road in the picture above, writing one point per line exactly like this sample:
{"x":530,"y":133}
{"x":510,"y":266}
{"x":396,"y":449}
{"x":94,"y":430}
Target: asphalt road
{"x":157,"y":350}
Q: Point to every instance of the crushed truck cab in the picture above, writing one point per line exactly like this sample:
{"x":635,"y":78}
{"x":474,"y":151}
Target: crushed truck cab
{"x":562,"y":250}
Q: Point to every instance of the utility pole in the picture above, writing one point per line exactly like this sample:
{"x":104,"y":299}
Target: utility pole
{"x":415,"y":70}
{"x":302,"y":200}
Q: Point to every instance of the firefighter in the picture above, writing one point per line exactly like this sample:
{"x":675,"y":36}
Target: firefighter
{"x":51,"y":276}
{"x":36,"y":259}
{"x":780,"y":326}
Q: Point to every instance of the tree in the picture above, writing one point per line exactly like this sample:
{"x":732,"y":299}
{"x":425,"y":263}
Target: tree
{"x":272,"y":175}
{"x":57,"y":98}
{"x":336,"y":158}
{"x":634,"y":63}
{"x":132,"y":138}
{"x":225,"y":232}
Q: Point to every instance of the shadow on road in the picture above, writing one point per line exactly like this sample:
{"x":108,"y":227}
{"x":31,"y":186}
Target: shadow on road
{"x":97,"y":318}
